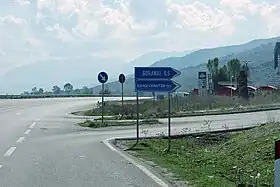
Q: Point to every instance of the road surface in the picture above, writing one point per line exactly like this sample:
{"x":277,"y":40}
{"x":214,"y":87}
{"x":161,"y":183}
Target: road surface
{"x":41,"y":147}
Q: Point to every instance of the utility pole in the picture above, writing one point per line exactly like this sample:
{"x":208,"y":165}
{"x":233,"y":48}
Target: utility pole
{"x":231,"y":85}
{"x":246,"y":67}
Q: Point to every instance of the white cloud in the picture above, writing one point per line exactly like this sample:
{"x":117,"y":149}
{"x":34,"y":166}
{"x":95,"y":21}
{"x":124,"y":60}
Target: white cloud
{"x":268,"y":12}
{"x":18,"y":45}
{"x":59,"y":32}
{"x":240,"y":6}
{"x":23,"y":2}
{"x":271,"y":15}
{"x":129,"y":28}
{"x":198,"y":16}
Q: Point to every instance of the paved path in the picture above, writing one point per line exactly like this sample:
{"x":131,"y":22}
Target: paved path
{"x":41,"y":147}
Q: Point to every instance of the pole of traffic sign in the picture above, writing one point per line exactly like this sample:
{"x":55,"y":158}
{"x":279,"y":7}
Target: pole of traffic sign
{"x":137,"y":117}
{"x":122,"y":101}
{"x":277,"y":164}
{"x":102,"y":78}
{"x":169,"y":121}
{"x":102,"y":103}
{"x":122,"y":80}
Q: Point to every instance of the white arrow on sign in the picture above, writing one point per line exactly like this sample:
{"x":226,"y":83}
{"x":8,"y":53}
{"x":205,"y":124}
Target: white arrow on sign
{"x":102,"y":77}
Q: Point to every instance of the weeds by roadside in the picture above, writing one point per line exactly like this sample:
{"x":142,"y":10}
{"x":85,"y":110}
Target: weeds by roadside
{"x":215,"y":160}
{"x":99,"y":124}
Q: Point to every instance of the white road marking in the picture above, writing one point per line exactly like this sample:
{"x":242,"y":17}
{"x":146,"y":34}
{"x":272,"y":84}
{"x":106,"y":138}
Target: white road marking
{"x":141,"y":167}
{"x":1,"y":166}
{"x":32,"y":125}
{"x":18,"y":113}
{"x":27,"y":132}
{"x":10,"y":151}
{"x":20,"y":140}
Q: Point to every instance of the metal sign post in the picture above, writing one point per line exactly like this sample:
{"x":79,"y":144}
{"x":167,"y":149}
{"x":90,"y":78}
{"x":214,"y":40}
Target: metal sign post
{"x":102,"y":78}
{"x":202,"y":83}
{"x":169,"y":121}
{"x":122,"y":80}
{"x":156,"y":79}
{"x":137,"y":113}
{"x":102,"y":103}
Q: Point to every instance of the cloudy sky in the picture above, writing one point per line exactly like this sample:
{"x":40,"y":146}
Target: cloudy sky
{"x":34,"y":30}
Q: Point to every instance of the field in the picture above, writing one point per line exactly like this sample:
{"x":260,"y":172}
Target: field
{"x":212,"y":160}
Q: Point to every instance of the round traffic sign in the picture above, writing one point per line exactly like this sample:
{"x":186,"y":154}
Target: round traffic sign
{"x":121,"y":78}
{"x":102,"y":77}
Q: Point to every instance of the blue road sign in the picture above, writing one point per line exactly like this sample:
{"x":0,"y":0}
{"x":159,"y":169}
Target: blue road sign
{"x":156,"y":86}
{"x":155,"y":73}
{"x":102,"y":77}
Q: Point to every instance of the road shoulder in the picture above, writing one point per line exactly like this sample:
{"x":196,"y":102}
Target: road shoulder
{"x":153,"y":173}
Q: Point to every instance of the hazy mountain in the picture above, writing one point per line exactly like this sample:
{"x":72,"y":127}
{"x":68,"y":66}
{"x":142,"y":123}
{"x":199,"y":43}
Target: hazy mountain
{"x":202,"y":55}
{"x":258,"y":52}
{"x":78,"y":71}
{"x":149,"y":58}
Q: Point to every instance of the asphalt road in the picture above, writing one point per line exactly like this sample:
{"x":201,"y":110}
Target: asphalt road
{"x":41,"y":147}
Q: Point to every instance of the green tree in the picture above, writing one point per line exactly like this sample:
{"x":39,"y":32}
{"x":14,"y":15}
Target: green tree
{"x":213,"y":68}
{"x":234,"y":67}
{"x":34,"y":90}
{"x":223,"y":74}
{"x":68,"y":88}
{"x":86,"y":90}
{"x":106,"y":91}
{"x":77,"y":91}
{"x":40,"y":91}
{"x":246,"y":68}
{"x":56,"y":89}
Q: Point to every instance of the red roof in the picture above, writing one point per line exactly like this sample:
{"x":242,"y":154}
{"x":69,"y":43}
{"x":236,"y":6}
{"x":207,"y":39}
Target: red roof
{"x":252,"y":87}
{"x":268,"y":86}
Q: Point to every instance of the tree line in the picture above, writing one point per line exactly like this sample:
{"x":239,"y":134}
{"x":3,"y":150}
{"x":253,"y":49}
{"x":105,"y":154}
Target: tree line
{"x":228,"y":72}
{"x":68,"y":88}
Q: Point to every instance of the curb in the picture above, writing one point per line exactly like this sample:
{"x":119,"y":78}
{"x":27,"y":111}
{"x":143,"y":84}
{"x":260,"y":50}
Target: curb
{"x":229,"y":112}
{"x":192,"y":134}
{"x":109,"y":143}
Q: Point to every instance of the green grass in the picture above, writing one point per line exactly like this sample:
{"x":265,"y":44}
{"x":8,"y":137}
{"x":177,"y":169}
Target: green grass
{"x":215,"y":161}
{"x":182,"y":107}
{"x":99,"y":124}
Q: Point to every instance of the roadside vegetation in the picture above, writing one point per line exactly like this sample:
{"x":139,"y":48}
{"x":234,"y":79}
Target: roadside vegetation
{"x":107,"y":123}
{"x":214,"y":160}
{"x":185,"y":106}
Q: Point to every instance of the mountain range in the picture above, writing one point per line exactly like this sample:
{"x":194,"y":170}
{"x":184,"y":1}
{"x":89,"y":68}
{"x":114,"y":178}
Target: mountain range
{"x":83,"y":70}
{"x":259,"y":54}
{"x":78,"y":70}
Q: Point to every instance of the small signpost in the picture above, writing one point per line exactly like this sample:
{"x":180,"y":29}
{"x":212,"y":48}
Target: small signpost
{"x":122,"y":80}
{"x":156,"y":79}
{"x":202,"y":83}
{"x":102,"y":78}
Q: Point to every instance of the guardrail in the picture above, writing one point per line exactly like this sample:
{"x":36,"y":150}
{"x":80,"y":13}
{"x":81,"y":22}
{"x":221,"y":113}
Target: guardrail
{"x":59,"y":96}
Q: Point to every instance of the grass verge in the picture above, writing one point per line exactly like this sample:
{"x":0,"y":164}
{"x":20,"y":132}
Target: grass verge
{"x":221,"y":111}
{"x":216,"y":160}
{"x":99,"y":124}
